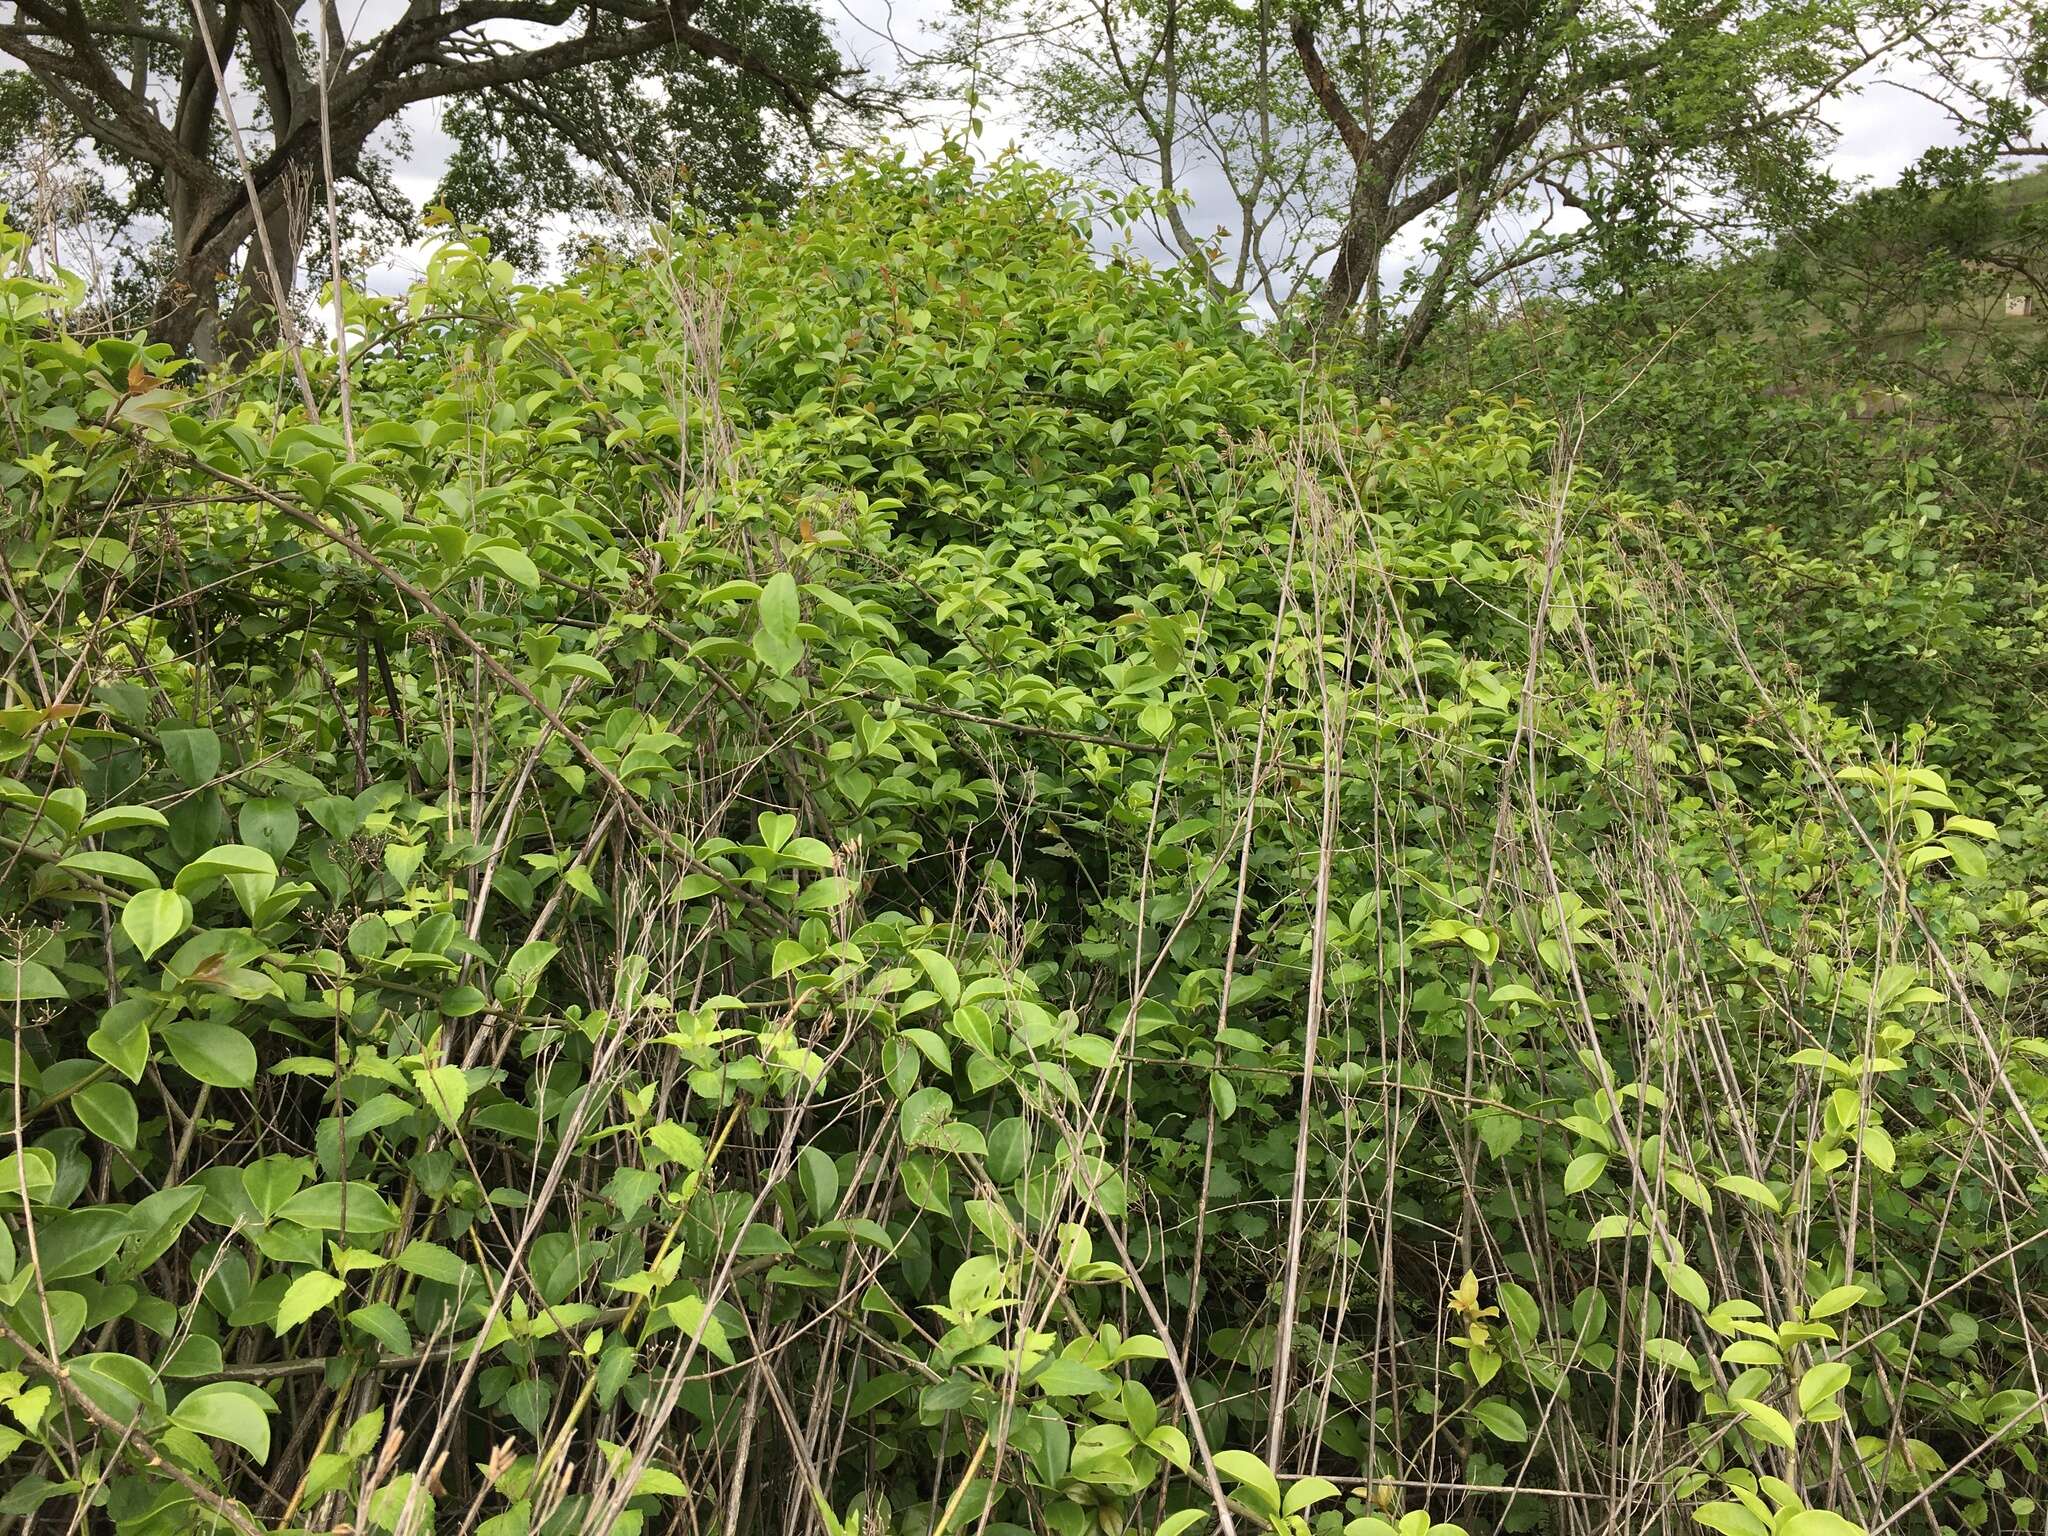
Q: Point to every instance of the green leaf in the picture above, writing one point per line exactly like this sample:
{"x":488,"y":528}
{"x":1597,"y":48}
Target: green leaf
{"x":1771,"y":1424}
{"x":1752,"y":1352}
{"x":1305,"y":1491}
{"x":118,"y":818}
{"x":382,"y":1323}
{"x":1524,"y":1315}
{"x":430,"y":1261}
{"x":1968,"y":856}
{"x":112,"y":866}
{"x":108,"y":1111}
{"x":229,"y":1410}
{"x":944,"y":978}
{"x":875,"y":1391}
{"x":271,"y":825}
{"x":1222,"y":1097}
{"x":1612,"y":1226}
{"x":1252,"y":1474}
{"x":775,"y":637}
{"x":193,"y":755}
{"x":1687,"y":1284}
{"x":369,"y":936}
{"x":307,"y":1295}
{"x":122,"y":1038}
{"x":120,"y":1384}
{"x":212,"y":1053}
{"x":1060,"y":1377}
{"x":1731,"y":1519}
{"x":1584,"y":1171}
{"x":153,"y":918}
{"x":154,"y":1225}
{"x":64,"y":1324}
{"x":459,"y":1002}
{"x":1672,"y":1355}
{"x":32,"y":1170}
{"x":1753,"y":1190}
{"x":444,"y":1090}
{"x":356,"y":1208}
{"x":1840,"y":1299}
{"x":677,"y":1143}
{"x":79,"y":1242}
{"x":701,"y":1322}
{"x":1501,"y":1419}
{"x":819,"y":1178}
{"x":1821,"y":1383}
{"x":1819,"y":1522}
{"x":219,"y":863}
{"x":576,"y":664}
{"x":24,"y":981}
{"x":1501,"y":1131}
{"x":365,"y":1435}
{"x":512,"y":565}
{"x":525,"y":963}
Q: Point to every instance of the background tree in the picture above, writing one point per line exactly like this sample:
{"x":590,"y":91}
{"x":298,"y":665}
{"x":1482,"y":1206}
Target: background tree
{"x":1986,"y":65}
{"x":1385,"y":159}
{"x":558,"y":105}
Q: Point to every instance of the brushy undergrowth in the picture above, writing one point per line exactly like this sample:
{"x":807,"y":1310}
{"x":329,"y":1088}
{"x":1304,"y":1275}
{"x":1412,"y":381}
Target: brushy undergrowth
{"x":876,"y":878}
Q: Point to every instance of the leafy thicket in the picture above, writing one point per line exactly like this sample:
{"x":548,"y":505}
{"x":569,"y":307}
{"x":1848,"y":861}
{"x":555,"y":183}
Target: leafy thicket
{"x":1850,"y":440}
{"x":874,"y":877}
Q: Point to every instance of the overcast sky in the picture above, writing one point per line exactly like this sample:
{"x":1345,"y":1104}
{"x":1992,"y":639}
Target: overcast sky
{"x":1882,"y":129}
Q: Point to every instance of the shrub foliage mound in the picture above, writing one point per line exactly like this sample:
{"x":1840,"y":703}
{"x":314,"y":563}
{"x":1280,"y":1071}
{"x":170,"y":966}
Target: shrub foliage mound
{"x":875,"y":877}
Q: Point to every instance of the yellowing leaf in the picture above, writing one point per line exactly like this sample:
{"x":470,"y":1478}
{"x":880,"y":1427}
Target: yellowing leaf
{"x":1840,"y":1299}
{"x":1821,"y":1383}
{"x":444,"y":1090}
{"x":306,"y":1296}
{"x":1770,"y":1423}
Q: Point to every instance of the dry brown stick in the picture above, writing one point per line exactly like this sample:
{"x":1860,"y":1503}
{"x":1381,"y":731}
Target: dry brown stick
{"x":1334,"y":727}
{"x":1244,"y":862}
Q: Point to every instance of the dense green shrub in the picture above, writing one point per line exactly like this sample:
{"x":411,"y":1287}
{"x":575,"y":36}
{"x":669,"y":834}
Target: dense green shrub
{"x":1865,"y":479}
{"x":875,"y":876}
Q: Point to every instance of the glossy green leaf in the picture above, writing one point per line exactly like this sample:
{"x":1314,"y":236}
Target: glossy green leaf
{"x":229,"y":1410}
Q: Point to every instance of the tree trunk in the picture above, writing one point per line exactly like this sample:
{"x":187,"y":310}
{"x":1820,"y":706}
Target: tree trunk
{"x":252,"y":323}
{"x":187,"y":309}
{"x":187,"y":312}
{"x":1354,"y":268}
{"x":188,"y":306}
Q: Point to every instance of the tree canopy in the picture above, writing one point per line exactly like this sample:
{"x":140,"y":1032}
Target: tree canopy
{"x":194,"y":116}
{"x":1378,"y":161}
